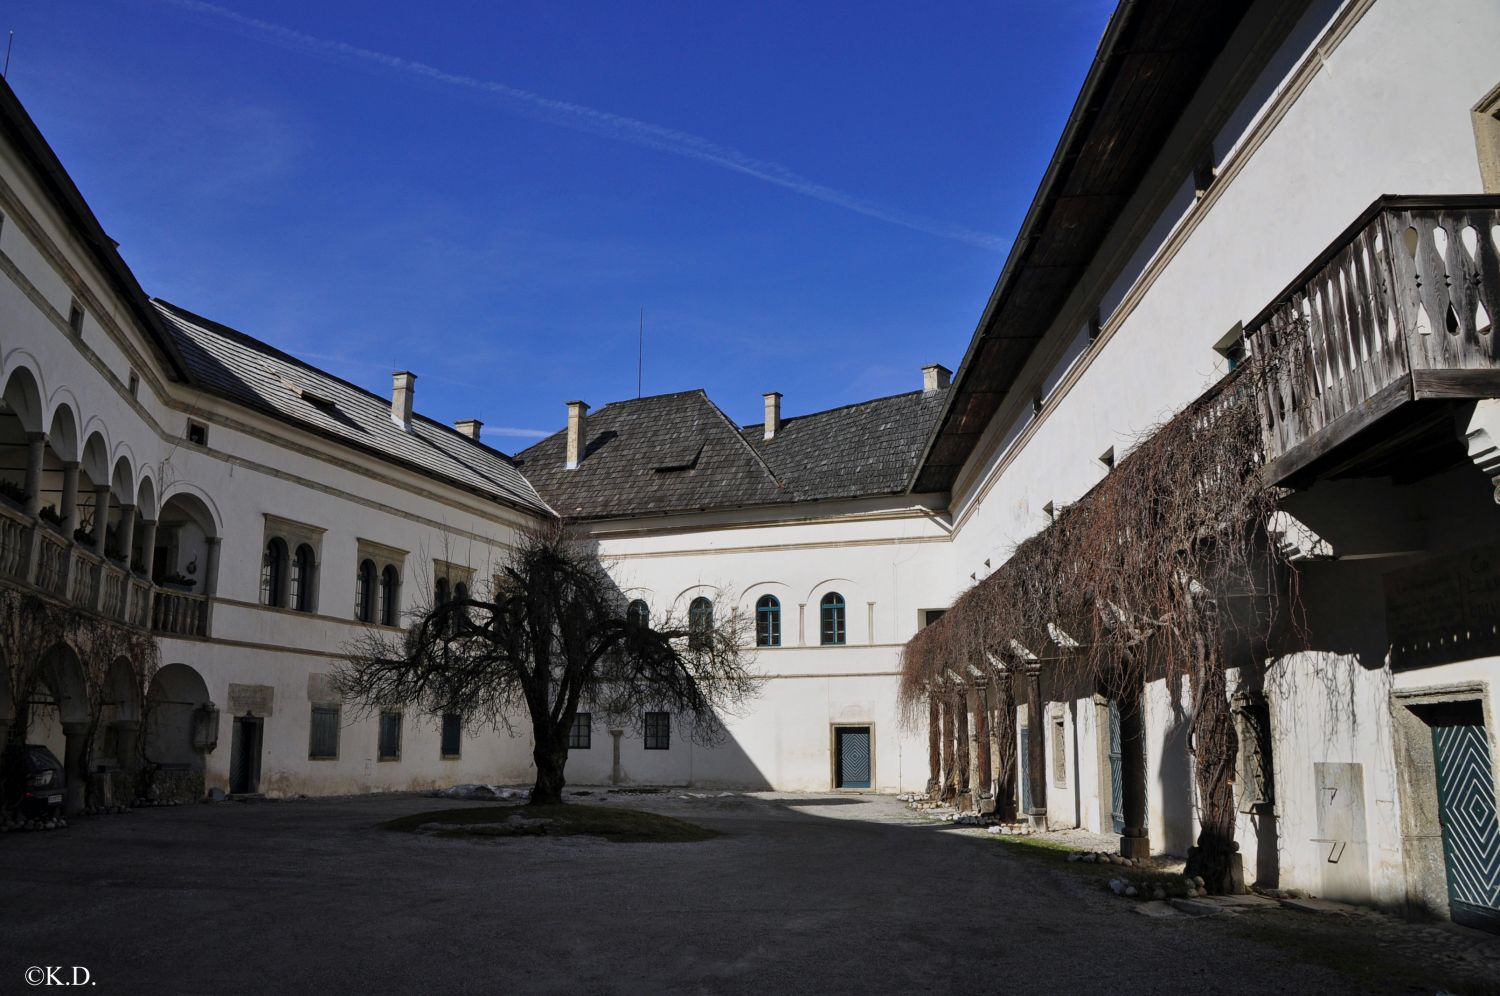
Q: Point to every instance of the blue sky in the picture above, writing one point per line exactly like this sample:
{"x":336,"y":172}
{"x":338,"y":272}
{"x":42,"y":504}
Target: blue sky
{"x":809,"y":198}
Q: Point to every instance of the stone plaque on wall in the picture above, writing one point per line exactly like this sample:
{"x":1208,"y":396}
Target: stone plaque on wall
{"x":252,"y":699}
{"x":1445,"y":609}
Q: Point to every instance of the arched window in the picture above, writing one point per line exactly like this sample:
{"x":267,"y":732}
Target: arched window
{"x":832,"y":610}
{"x":364,"y":591}
{"x":440,"y":592}
{"x":638,"y":613}
{"x":460,"y":592}
{"x":768,"y":622}
{"x":700,"y":623}
{"x":304,"y":572}
{"x":390,"y":593}
{"x":273,"y":573}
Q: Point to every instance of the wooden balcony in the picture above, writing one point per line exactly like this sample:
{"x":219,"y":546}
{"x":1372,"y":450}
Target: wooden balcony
{"x":1368,"y":349}
{"x":36,"y":556}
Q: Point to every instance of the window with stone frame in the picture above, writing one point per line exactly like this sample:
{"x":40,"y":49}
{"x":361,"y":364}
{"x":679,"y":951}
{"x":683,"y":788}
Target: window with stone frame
{"x":1059,"y":748}
{"x":390,"y":736}
{"x":452,"y":735}
{"x":323,"y":736}
{"x":378,"y":582}
{"x":289,"y":564}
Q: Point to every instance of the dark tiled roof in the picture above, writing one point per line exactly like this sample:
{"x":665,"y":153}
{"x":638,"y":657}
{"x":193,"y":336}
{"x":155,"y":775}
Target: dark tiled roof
{"x":667,"y":453}
{"x":680,"y":452}
{"x":852,"y":452}
{"x":235,"y":366}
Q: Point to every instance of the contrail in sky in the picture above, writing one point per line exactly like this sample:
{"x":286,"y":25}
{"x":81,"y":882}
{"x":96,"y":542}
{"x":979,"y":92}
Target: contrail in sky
{"x":578,"y":117}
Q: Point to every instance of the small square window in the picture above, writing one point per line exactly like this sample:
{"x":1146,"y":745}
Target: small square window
{"x":323,"y":741}
{"x":390,"y":736}
{"x":453,"y":734}
{"x":197,"y":433}
{"x":75,"y":318}
{"x":1205,"y":172}
{"x":581,"y":736}
{"x":135,"y":384}
{"x":658,"y":731}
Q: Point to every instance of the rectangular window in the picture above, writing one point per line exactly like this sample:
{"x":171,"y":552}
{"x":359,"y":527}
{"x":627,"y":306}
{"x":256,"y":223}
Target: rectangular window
{"x":453,"y":734}
{"x":323,"y":742}
{"x":390,"y":736}
{"x":581,"y":736}
{"x":658,"y":731}
{"x":197,"y":433}
{"x":135,"y":384}
{"x":75,"y":318}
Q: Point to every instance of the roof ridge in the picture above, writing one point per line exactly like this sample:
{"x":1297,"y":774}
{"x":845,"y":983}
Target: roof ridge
{"x":245,"y":338}
{"x":852,"y":404}
{"x":739,"y":434}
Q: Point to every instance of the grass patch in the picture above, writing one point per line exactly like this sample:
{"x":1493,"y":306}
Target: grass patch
{"x":623,"y":826}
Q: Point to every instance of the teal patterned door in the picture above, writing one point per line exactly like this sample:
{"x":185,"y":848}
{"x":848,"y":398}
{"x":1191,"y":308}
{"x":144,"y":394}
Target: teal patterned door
{"x":1466,"y":809}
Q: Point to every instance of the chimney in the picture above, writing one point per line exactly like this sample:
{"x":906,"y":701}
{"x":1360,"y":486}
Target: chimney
{"x":773,"y":413}
{"x":935,"y":377}
{"x":403,"y":390}
{"x":469,"y":427}
{"x":577,"y":437}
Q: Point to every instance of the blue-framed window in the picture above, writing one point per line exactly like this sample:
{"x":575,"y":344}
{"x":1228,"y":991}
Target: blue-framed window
{"x":700,"y":623}
{"x":768,"y":622}
{"x":832,"y":611}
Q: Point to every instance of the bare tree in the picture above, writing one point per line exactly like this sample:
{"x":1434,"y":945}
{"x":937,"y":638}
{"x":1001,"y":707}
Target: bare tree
{"x":553,"y":632}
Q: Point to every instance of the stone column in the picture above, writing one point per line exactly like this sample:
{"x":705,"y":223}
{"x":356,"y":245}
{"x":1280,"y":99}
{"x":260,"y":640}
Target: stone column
{"x":950,"y":782}
{"x":101,"y":517}
{"x":36,"y":451}
{"x":1037,"y":773}
{"x":979,"y":781}
{"x":76,"y":793}
{"x":934,"y":746}
{"x":148,"y":546}
{"x":68,"y":504}
{"x":127,"y":531}
{"x":961,"y":762}
{"x":128,"y":753}
{"x":211,"y":567}
{"x":1134,"y":843}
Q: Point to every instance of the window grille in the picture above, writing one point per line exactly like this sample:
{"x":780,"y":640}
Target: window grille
{"x":833,"y":619}
{"x":364,"y":592}
{"x":390,"y":588}
{"x":323,"y":741}
{"x":581,"y":736}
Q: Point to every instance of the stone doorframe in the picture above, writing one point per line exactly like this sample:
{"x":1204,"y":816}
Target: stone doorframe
{"x":1416,"y":789}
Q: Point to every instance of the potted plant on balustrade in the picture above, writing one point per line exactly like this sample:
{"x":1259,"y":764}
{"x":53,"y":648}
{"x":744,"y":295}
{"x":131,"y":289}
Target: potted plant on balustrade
{"x":175,"y":581}
{"x":51,"y":516}
{"x":13,"y":493}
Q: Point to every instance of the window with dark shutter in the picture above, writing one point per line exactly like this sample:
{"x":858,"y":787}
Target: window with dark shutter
{"x":390,"y":736}
{"x":453,"y":729}
{"x":323,"y":741}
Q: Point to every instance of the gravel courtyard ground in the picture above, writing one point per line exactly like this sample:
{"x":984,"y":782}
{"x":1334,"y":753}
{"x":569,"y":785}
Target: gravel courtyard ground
{"x":800,"y":895}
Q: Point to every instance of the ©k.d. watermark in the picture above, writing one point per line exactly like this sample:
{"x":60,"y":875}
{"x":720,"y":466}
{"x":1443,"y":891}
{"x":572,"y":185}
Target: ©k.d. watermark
{"x":59,"y":975}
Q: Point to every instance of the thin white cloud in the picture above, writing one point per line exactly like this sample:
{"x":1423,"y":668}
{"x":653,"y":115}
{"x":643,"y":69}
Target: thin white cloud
{"x":578,"y":117}
{"x":510,"y":431}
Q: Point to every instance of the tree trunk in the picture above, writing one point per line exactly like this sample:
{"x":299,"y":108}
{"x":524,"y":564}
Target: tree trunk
{"x":950,"y":783}
{"x":1005,"y":748}
{"x":1214,"y":747}
{"x":550,"y":756}
{"x":961,"y":760}
{"x":934,"y":746}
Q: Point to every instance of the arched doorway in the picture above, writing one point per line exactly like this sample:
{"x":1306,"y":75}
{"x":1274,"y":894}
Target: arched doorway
{"x":57,"y":717}
{"x":119,"y":756}
{"x":182,"y":726}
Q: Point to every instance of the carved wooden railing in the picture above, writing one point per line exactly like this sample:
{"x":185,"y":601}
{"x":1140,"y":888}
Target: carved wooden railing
{"x":179,"y":614}
{"x":1401,"y":306}
{"x":15,"y":542}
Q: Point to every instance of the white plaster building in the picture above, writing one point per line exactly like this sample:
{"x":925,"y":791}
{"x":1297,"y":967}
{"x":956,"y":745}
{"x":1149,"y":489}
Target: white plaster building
{"x":1222,"y":159}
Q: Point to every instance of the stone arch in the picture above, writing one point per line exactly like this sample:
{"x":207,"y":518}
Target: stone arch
{"x":61,"y":722}
{"x":62,"y":675}
{"x":186,"y":529}
{"x":95,"y":459}
{"x":122,"y":692}
{"x":23,"y":397}
{"x":145,"y":497}
{"x":192,"y":504}
{"x":62,"y":433}
{"x":181,"y":725}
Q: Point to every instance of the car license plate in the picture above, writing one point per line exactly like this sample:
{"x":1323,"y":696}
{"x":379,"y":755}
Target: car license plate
{"x":54,"y":799}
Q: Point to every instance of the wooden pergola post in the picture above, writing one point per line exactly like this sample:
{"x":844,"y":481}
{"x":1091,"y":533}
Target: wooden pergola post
{"x":934,"y":745}
{"x":961,"y":762}
{"x":1037,"y":773}
{"x":950,"y":783}
{"x":979,"y":779}
{"x":1134,"y":843}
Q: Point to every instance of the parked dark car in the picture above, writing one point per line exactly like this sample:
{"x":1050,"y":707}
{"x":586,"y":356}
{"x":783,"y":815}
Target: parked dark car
{"x":34,"y":781}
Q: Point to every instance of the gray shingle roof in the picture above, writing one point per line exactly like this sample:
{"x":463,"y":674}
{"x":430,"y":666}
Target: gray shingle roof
{"x":857,"y":451}
{"x":244,"y":370}
{"x":680,"y":452}
{"x":646,"y":456}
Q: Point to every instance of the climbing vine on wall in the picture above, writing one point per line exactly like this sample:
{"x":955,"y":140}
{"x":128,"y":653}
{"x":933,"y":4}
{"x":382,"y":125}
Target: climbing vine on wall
{"x":1163,"y":570}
